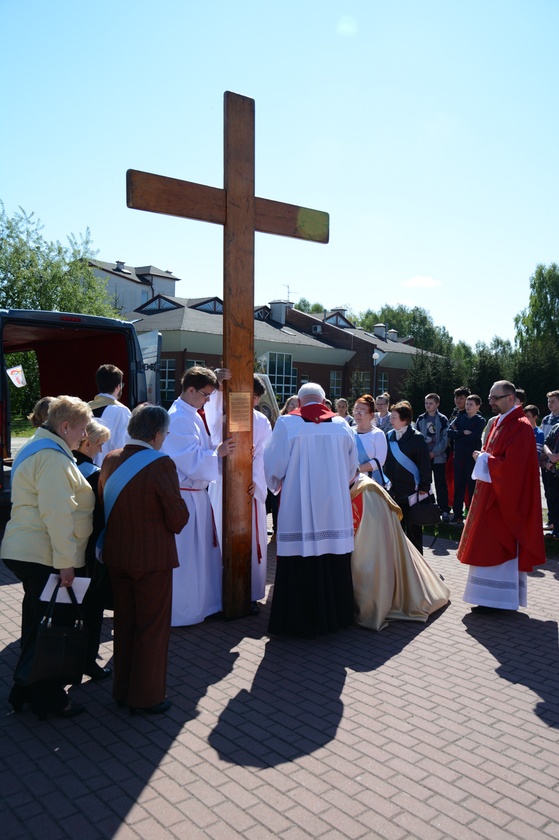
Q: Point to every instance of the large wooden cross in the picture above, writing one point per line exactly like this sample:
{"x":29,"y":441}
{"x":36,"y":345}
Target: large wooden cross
{"x":241,"y":213}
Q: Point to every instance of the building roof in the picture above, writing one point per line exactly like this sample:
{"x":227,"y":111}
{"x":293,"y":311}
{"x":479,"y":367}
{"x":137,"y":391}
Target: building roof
{"x":184,"y":316}
{"x":138,"y":274}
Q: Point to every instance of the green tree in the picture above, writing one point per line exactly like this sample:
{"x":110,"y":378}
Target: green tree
{"x":536,"y":369}
{"x":463,"y":358}
{"x":540,"y":319}
{"x":430,"y":373}
{"x":486,"y":370}
{"x":305,"y":305}
{"x":37,"y":274}
{"x":415,"y":322}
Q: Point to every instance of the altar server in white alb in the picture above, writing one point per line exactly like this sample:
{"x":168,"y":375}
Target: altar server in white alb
{"x":312,"y":457}
{"x":197,"y":583}
{"x":108,"y":409}
{"x":261,"y":431}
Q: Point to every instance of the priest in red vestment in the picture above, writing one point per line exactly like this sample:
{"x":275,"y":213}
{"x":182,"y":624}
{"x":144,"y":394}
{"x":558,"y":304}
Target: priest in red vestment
{"x":503,"y":536}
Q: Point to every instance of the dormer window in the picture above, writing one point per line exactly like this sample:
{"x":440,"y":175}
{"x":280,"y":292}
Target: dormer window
{"x":157,"y":305}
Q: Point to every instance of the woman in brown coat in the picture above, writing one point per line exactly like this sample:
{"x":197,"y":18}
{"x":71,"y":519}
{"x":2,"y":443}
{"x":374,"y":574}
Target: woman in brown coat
{"x":140,"y":553}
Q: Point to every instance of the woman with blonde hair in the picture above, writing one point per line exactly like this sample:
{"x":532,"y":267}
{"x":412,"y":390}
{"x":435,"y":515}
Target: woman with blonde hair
{"x":290,"y":405}
{"x":99,"y":594}
{"x":50,"y":522}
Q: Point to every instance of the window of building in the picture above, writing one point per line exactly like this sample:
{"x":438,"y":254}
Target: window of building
{"x":211,"y":305}
{"x":283,"y":376}
{"x":157,"y":304}
{"x":361,"y":382}
{"x":191,"y":362}
{"x":382,"y":383}
{"x":167,"y":381}
{"x":335,"y":383}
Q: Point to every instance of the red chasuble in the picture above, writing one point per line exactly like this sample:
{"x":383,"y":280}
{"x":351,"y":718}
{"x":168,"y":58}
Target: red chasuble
{"x":315,"y":413}
{"x":505,"y":517}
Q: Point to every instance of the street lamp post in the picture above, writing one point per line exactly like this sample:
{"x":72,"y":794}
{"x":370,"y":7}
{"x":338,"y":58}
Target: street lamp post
{"x":376,"y":357}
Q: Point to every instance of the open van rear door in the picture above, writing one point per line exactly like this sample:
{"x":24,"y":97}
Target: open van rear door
{"x":69,"y":348}
{"x":150,"y":345}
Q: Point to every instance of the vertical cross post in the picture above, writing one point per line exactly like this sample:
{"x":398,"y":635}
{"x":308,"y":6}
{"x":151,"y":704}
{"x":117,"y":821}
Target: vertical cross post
{"x":241,"y":214}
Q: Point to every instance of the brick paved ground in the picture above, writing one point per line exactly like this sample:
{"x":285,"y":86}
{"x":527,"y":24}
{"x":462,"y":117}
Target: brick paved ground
{"x":444,"y":730}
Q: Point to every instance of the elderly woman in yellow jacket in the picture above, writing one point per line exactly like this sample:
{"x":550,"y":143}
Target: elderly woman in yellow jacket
{"x":51,"y":520}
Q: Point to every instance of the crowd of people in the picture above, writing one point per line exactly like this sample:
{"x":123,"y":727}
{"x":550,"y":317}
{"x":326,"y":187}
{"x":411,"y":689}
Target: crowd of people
{"x":132,"y":500}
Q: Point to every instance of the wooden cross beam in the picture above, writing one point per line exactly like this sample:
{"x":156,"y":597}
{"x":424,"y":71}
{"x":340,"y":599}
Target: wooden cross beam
{"x":241,"y":213}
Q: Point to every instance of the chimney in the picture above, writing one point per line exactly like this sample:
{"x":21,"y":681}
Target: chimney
{"x":392,"y":335}
{"x":380,"y":331}
{"x":119,"y":265}
{"x":278,"y":309}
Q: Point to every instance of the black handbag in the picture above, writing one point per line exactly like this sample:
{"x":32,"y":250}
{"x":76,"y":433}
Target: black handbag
{"x":425,"y":512}
{"x":383,"y":481}
{"x":56,"y":651}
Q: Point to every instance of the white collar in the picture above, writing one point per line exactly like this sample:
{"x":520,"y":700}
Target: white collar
{"x":133,"y":442}
{"x":502,"y":416}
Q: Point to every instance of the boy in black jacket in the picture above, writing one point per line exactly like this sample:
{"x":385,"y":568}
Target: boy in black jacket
{"x":465,"y":430}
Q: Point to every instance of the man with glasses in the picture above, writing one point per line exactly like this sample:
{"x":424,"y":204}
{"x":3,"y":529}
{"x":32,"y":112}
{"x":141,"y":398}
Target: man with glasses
{"x":197,"y":583}
{"x":503,"y":537}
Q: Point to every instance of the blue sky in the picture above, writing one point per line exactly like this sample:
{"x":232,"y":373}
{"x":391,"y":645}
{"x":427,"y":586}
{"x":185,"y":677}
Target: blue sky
{"x":427,"y":129}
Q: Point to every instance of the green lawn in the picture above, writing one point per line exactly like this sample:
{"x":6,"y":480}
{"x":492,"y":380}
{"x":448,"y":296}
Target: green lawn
{"x":21,"y":427}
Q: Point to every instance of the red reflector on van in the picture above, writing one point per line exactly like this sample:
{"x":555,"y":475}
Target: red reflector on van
{"x":73,"y":318}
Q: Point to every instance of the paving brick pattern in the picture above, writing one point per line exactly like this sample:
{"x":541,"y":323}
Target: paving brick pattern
{"x":443,"y":730}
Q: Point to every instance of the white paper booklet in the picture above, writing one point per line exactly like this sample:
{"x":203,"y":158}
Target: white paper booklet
{"x":79,"y":586}
{"x":481,"y":468}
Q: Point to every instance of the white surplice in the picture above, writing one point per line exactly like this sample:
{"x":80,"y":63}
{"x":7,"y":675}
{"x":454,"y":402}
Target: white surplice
{"x":197,"y":582}
{"x":261,"y":431}
{"x":315,"y":516}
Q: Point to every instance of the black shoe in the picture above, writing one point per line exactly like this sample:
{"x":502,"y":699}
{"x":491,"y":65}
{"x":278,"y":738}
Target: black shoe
{"x":71,"y":710}
{"x":19,"y":695}
{"x":97,"y":674}
{"x":158,"y":709}
{"x":254,"y":608}
{"x":490,"y":610}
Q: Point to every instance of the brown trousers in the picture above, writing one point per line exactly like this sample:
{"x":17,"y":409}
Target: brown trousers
{"x":142,"y":627}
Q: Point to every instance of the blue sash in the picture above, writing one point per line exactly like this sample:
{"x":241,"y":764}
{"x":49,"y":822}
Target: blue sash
{"x":118,"y":481}
{"x":87,"y":469}
{"x":402,"y":459}
{"x":378,"y":475}
{"x":34,"y":447}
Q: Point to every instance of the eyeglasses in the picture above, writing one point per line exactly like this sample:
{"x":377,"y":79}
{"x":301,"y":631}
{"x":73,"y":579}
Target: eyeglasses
{"x":204,"y":394}
{"x":500,"y":397}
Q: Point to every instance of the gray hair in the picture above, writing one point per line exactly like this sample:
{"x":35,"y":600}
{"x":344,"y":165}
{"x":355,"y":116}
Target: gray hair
{"x":146,"y":421}
{"x":311,"y":389}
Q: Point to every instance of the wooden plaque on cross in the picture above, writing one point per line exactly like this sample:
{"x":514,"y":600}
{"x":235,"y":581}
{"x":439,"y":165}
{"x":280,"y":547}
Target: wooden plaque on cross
{"x":241,"y":213}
